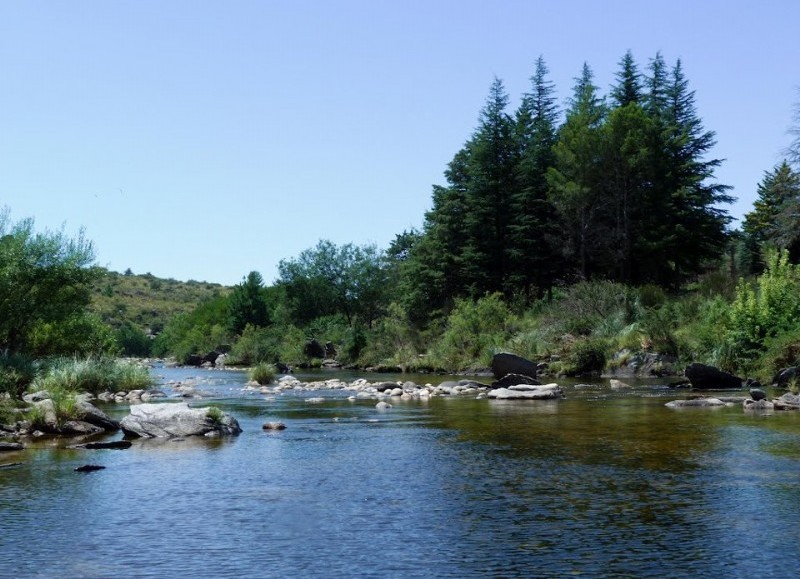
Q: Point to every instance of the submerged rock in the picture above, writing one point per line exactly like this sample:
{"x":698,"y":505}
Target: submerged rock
{"x":273,"y":426}
{"x":171,"y":420}
{"x":696,"y":403}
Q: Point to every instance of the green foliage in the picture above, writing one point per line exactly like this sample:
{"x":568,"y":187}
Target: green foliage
{"x":475,"y":330}
{"x":45,"y":278}
{"x":17,"y":371}
{"x":93,"y":375}
{"x":586,"y":356}
{"x":255,"y":346}
{"x":326,"y":280}
{"x":133,"y":341}
{"x":263,"y":373}
{"x":82,"y":334}
{"x":247,"y":304}
{"x":767,"y":310}
{"x":135,"y":300}
{"x":214,"y":414}
{"x":196,"y":332}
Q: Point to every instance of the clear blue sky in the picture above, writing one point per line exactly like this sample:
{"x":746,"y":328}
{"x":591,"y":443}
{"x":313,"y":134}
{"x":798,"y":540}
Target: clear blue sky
{"x":202,"y":140}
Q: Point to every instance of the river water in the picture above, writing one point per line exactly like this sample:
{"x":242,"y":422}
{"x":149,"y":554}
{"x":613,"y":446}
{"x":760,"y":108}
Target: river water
{"x":603,"y":483}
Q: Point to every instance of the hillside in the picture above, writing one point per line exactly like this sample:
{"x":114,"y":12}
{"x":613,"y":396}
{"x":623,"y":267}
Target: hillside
{"x":146,"y":301}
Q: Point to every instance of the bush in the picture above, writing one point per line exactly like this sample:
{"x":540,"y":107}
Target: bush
{"x":263,"y":373}
{"x":16,"y":373}
{"x":254,"y":346}
{"x":93,"y":375}
{"x":586,"y":356}
{"x":474,"y":332}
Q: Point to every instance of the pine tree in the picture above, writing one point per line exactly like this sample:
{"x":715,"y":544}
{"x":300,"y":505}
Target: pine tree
{"x":695,"y":213}
{"x":574,"y":180}
{"x":775,"y":218}
{"x":247,"y":305}
{"x":533,"y":245}
{"x":491,"y":168}
{"x":629,"y":84}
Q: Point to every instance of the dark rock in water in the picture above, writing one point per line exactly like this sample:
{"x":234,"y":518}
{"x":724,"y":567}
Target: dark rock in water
{"x":10,"y":446}
{"x":282,"y":368}
{"x":505,"y":363}
{"x":273,"y":426}
{"x":786,"y":375}
{"x":384,"y":386}
{"x":680,"y":384}
{"x":116,"y":445}
{"x":757,"y":394}
{"x":515,"y":379}
{"x":10,"y":464}
{"x":705,"y":377}
{"x":89,"y":468}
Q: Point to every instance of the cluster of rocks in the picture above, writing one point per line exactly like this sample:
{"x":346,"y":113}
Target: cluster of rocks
{"x":88,"y":419}
{"x":515,"y":381}
{"x":703,"y":377}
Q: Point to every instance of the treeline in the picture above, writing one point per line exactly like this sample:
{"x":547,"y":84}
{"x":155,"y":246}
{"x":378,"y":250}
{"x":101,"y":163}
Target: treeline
{"x":580,"y":237}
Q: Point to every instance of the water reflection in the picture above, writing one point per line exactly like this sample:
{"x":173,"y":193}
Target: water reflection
{"x":602,"y":483}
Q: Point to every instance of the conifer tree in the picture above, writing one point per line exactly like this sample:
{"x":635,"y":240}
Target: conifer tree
{"x":775,"y":218}
{"x":574,"y":179}
{"x":491,"y":169}
{"x":533,"y":245}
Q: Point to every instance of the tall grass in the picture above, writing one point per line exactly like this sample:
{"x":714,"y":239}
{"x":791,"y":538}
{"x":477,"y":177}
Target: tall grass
{"x":93,"y":375}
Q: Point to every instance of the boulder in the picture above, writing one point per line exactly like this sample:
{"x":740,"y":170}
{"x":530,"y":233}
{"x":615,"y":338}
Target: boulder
{"x":383,"y":405}
{"x":788,"y":401}
{"x":513,"y":380}
{"x":171,"y":420}
{"x":93,"y":415}
{"x":89,"y":468}
{"x":50,"y":418}
{"x":786,"y":375}
{"x":753,"y":405}
{"x":696,"y":403}
{"x":618,"y":385}
{"x":34,"y":397}
{"x":273,"y":426}
{"x":505,"y":363}
{"x":528,"y":392}
{"x":705,"y":377}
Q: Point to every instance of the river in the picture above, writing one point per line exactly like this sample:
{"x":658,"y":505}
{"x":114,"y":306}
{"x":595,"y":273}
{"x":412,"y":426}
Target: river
{"x":603,"y":483}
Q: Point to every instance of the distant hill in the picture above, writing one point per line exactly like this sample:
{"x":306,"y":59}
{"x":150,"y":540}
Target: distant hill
{"x":146,"y":301}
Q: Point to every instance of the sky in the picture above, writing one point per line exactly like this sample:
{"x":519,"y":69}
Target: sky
{"x":203,"y":140}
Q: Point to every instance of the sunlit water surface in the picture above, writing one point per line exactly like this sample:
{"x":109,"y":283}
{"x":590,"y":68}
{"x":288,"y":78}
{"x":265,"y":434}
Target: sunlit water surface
{"x":604,"y":483}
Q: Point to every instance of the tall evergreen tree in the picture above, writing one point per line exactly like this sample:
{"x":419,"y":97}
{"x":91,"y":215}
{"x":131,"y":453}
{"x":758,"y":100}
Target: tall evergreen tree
{"x":695,"y":207}
{"x":247,"y":305}
{"x":575,"y":177}
{"x":493,"y":158}
{"x":533,"y":244}
{"x":629,"y":83}
{"x":775,"y":218}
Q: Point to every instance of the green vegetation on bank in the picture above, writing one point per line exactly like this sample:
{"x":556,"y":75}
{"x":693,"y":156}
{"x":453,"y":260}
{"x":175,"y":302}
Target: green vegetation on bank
{"x":588,"y":238}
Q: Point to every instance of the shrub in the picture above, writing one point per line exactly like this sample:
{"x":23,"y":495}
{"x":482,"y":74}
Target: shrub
{"x":16,"y":373}
{"x":93,"y":375}
{"x":263,"y":373}
{"x":586,"y":356}
{"x":474,"y":332}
